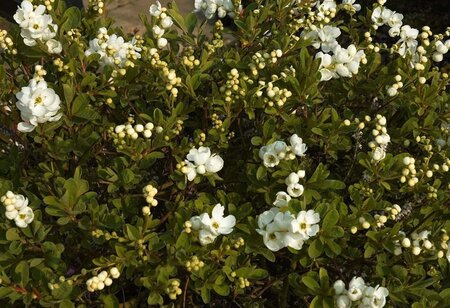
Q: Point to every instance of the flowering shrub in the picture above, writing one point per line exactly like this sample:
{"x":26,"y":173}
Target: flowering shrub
{"x":297,"y":156}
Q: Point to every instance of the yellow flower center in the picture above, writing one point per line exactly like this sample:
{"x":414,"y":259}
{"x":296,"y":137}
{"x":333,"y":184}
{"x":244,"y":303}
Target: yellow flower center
{"x":303,"y":226}
{"x":215,"y":225}
{"x":38,"y":100}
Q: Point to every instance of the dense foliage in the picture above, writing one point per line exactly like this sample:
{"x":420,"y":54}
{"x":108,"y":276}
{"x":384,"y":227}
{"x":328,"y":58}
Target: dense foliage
{"x":298,"y":155}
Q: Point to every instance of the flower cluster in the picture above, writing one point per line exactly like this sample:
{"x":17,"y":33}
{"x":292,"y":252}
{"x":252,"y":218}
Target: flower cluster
{"x":211,"y":7}
{"x":37,"y":26}
{"x":359,"y":294}
{"x":209,"y":228}
{"x":201,"y":161}
{"x":283,"y":229}
{"x":441,"y":50}
{"x":383,"y":16}
{"x":6,"y":43}
{"x":149,"y":194}
{"x":133,"y":132}
{"x":113,"y":50}
{"x":17,"y":209}
{"x":37,"y":104}
{"x":98,"y":283}
{"x":343,"y":62}
{"x":271,"y":154}
{"x":382,"y":139}
{"x":294,"y":188}
{"x":409,"y":171}
{"x":174,"y":289}
{"x":96,"y":6}
{"x":164,"y":22}
{"x":419,"y":243}
{"x":194,"y":264}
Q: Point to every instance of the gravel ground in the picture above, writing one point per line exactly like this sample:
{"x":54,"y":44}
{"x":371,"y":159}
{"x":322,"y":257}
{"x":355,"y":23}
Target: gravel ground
{"x":125,"y":12}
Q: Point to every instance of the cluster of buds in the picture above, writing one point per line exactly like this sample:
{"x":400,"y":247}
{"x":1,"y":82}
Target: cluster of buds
{"x":425,"y":35}
{"x":102,"y":280}
{"x":391,"y":213}
{"x":187,"y":224}
{"x":409,"y":172}
{"x":149,"y":194}
{"x":418,"y":243}
{"x":240,"y":242}
{"x":232,"y":89}
{"x":393,"y":90}
{"x":96,"y":6}
{"x":98,"y":233}
{"x":39,"y":72}
{"x":217,"y":41}
{"x":128,"y":130}
{"x":382,"y":139}
{"x":441,"y":50}
{"x":216,"y":121}
{"x":60,"y":66}
{"x":444,"y":245}
{"x":189,"y":59}
{"x":259,"y":61}
{"x":275,"y":95}
{"x":74,"y":35}
{"x":17,"y":209}
{"x":432,"y":192}
{"x":173,"y":290}
{"x":49,"y":4}
{"x":6,"y":43}
{"x":201,"y":138}
{"x":163,"y":22}
{"x":177,"y":129}
{"x":242,"y":282}
{"x":194,"y":264}
{"x":172,"y":81}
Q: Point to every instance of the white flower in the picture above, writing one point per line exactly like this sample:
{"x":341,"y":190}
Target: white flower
{"x":205,"y":237}
{"x":34,"y":24}
{"x":196,"y":222}
{"x":356,"y":7}
{"x":218,"y":224}
{"x":292,"y":178}
{"x":306,"y":224}
{"x":298,"y":147}
{"x":113,"y":49}
{"x":155,"y":9}
{"x":339,"y":287}
{"x":270,"y":159}
{"x":158,"y":31}
{"x":282,"y":199}
{"x":200,"y":161}
{"x":381,"y":15}
{"x":214,"y":163}
{"x":37,"y":104}
{"x":375,"y":297}
{"x":343,"y":302}
{"x":295,"y":190}
{"x":356,"y":289}
{"x":191,"y":171}
{"x":266,"y":218}
{"x":407,"y":41}
{"x":24,"y":217}
{"x":274,"y":235}
{"x":162,"y":42}
{"x":53,"y":46}
{"x":378,"y":154}
{"x":327,"y":38}
{"x":166,"y":22}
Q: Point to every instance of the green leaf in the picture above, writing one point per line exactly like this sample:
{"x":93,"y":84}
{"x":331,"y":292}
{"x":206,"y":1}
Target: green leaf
{"x":155,"y":298}
{"x":330,"y":219}
{"x":68,"y":93}
{"x":109,"y":301}
{"x":315,"y":249}
{"x":23,"y":271}
{"x":66,"y":304}
{"x":12,"y":234}
{"x":311,"y":284}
